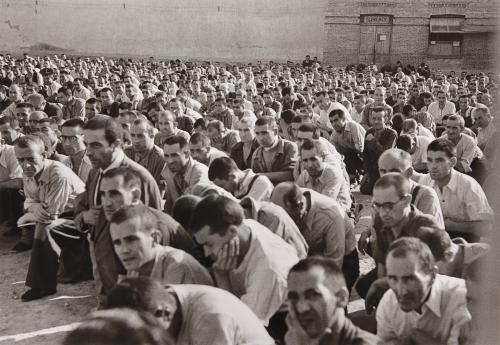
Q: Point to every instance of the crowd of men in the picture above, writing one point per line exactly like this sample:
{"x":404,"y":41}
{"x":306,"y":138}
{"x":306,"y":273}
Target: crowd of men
{"x":213,"y":203}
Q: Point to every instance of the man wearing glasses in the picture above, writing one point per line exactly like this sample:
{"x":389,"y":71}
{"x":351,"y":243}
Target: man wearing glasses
{"x":74,"y":146}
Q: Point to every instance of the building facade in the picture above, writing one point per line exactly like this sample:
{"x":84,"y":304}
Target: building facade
{"x":450,"y":34}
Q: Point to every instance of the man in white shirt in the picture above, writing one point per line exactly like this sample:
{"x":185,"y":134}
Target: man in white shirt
{"x":326,"y":106}
{"x":225,"y":173}
{"x":416,"y":146}
{"x":192,"y":314}
{"x":441,"y":107}
{"x":250,"y":261}
{"x":466,"y":210}
{"x":422,"y":307}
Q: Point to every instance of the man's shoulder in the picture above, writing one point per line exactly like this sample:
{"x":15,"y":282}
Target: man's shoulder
{"x":139,"y":169}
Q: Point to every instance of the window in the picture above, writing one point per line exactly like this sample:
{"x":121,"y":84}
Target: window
{"x":446,"y":36}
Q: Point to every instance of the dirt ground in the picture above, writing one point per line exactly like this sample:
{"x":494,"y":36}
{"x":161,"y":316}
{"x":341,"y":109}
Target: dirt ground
{"x":45,"y":321}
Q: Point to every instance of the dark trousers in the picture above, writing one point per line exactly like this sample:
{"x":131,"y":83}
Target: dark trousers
{"x":11,"y":206}
{"x":353,"y":162}
{"x":44,"y":262}
{"x":277,"y":327}
{"x":365,"y":281}
{"x":350,"y":268}
{"x":479,"y":170}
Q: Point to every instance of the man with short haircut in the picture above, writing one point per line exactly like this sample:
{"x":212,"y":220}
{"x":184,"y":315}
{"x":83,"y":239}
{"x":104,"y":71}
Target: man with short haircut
{"x":103,"y":138}
{"x":322,"y":319}
{"x":486,"y":131}
{"x":184,"y":121}
{"x":4,"y":98}
{"x":39,"y":103}
{"x":324,"y":223}
{"x":49,"y":188}
{"x":242,"y":151}
{"x":92,"y":108}
{"x":277,"y":220}
{"x":326,"y":106}
{"x":466,"y":210}
{"x":23,"y":113}
{"x":108,"y":104}
{"x":377,"y":139}
{"x":167,"y":125}
{"x":257,"y":273}
{"x":276,"y":157}
{"x":136,"y":240}
{"x":422,"y":307}
{"x":470,"y":158}
{"x":50,"y":85}
{"x":440,"y":108}
{"x":80,"y":91}
{"x":208,"y":315}
{"x":324,"y":178}
{"x":74,"y":146}
{"x":221,"y":137}
{"x":143,"y":149}
{"x":379,"y":105}
{"x":202,"y":151}
{"x":358,"y":106}
{"x":72,"y":106}
{"x":182,"y":172}
{"x":416,"y":146}
{"x":15,"y":97}
{"x":465,"y":110}
{"x":348,"y":138}
{"x":9,"y":127}
{"x":225,"y":173}
{"x":222,"y":113}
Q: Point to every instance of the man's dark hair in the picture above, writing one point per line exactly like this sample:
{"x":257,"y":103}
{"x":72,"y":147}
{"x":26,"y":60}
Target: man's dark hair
{"x":288,"y":115}
{"x":198,"y":137}
{"x":25,"y":105}
{"x":105,"y":89}
{"x":407,"y":109}
{"x":217,"y":212}
{"x":337,"y":112}
{"x":309,"y":128}
{"x":112,"y":130}
{"x":125,"y":106}
{"x":66,"y":91}
{"x":74,"y":122}
{"x":437,"y":239}
{"x":220,"y":168}
{"x":11,"y":120}
{"x":404,"y":142}
{"x":201,"y":122}
{"x":286,"y":91}
{"x":403,"y":246}
{"x":93,"y":101}
{"x":379,"y":110}
{"x":183,"y":209}
{"x":136,"y":293}
{"x":130,"y":177}
{"x":331,"y":269}
{"x":266,"y":121}
{"x":176,"y":139}
{"x":26,"y":141}
{"x":443,"y":145}
{"x":142,"y":212}
{"x":155,"y":106}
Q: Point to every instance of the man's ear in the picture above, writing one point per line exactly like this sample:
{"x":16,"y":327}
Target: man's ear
{"x":157,"y":236}
{"x":409,"y":172}
{"x":233,"y":230}
{"x":342,"y":297}
{"x":136,"y":195}
{"x":117,"y":144}
{"x":453,"y":161}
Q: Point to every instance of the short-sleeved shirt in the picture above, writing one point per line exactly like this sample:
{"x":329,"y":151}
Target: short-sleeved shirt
{"x":385,"y":235}
{"x":467,"y":151}
{"x":462,"y":199}
{"x":420,"y":154}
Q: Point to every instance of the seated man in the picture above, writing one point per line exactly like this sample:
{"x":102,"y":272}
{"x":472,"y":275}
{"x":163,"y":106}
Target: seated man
{"x":466,"y":210}
{"x":143,"y":149}
{"x":207,"y":315}
{"x":422,"y":307}
{"x":74,"y":146}
{"x":242,"y":151}
{"x":470,"y":158}
{"x":181,"y":172}
{"x":416,"y":146}
{"x":136,"y":239}
{"x":320,"y":319}
{"x":324,"y":178}
{"x":487,"y":133}
{"x":222,"y":138}
{"x":167,"y":124}
{"x":222,"y":113}
{"x":325,"y":225}
{"x":348,"y":138}
{"x":277,"y":220}
{"x":276,"y":157}
{"x":11,"y":184}
{"x":49,"y":188}
{"x":72,"y":106}
{"x":378,"y":139}
{"x":225,"y":174}
{"x":412,"y":127}
{"x":202,"y":151}
{"x":257,"y":273}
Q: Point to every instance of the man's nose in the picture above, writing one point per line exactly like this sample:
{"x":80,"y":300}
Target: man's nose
{"x":302,"y":306}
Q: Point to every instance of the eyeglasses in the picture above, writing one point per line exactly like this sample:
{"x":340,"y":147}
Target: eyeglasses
{"x":387,"y":206}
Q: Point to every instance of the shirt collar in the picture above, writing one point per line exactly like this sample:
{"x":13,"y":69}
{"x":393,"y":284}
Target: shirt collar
{"x":433,"y":303}
{"x":276,"y":142}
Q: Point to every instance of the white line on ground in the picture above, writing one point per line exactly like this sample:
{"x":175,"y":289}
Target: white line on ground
{"x":69,"y":297}
{"x":52,"y":330}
